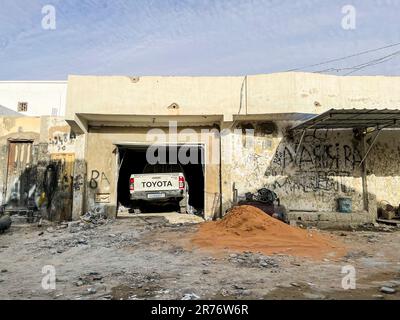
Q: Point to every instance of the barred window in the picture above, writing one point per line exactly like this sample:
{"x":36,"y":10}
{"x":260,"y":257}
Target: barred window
{"x":22,"y":106}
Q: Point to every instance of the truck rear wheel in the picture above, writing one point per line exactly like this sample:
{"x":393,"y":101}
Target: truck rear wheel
{"x":184,"y":204}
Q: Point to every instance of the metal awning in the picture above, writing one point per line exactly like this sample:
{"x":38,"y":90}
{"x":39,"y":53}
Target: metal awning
{"x":353,"y":118}
{"x":377,"y":119}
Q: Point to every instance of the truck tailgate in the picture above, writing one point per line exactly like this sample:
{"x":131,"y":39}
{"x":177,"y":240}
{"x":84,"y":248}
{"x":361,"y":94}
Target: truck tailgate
{"x":156,"y":182}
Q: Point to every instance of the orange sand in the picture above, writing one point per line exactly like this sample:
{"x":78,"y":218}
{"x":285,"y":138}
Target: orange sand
{"x":247,"y":228}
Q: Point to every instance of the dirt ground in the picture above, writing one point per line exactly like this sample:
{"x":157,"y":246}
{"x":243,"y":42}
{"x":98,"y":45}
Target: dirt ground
{"x":151,"y":258}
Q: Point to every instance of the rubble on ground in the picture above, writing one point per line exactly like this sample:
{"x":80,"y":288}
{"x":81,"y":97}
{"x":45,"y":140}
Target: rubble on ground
{"x":95,"y":216}
{"x":89,"y":279}
{"x":388,"y":290}
{"x":376,"y":227}
{"x":147,"y":258}
{"x":253,"y":260}
{"x":190,"y":296}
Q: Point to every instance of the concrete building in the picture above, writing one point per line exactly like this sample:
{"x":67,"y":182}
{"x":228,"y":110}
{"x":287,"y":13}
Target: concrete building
{"x":111,"y":121}
{"x":34,"y":98}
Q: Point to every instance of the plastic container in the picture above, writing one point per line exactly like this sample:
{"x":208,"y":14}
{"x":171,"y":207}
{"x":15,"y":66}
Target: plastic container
{"x":345,"y":205}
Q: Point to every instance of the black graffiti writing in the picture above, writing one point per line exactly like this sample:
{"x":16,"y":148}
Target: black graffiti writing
{"x":329,"y":156}
{"x":97,"y":177}
{"x":60,"y":141}
{"x":78,"y":183}
{"x":314,"y":182}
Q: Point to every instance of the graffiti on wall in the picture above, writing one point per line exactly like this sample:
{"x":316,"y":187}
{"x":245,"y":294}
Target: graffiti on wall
{"x":314,"y":182}
{"x":78,"y":182}
{"x":59,"y":141}
{"x":330,"y":157}
{"x":320,"y":165}
{"x":97,"y":179}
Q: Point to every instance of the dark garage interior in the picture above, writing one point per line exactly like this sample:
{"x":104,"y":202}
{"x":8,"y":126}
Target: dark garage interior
{"x":133,"y":161}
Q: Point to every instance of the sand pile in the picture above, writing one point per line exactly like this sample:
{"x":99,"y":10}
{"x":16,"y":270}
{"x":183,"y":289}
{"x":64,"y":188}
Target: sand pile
{"x":247,"y":228}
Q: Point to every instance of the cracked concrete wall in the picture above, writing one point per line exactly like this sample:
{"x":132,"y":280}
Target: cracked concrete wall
{"x":324,"y":168}
{"x":383,"y":167}
{"x":52,"y":141}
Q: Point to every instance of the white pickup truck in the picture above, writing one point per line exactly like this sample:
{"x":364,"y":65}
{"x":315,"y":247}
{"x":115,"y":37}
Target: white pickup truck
{"x":161,"y":184}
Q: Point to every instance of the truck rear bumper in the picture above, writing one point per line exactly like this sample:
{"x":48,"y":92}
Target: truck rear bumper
{"x":151,"y":196}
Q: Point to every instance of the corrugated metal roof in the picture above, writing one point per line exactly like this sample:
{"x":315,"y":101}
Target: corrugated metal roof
{"x":353,"y":118}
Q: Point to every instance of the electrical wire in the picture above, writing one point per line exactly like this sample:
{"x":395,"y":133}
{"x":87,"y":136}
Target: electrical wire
{"x":346,"y":57}
{"x":362,"y":65}
{"x":374,"y":62}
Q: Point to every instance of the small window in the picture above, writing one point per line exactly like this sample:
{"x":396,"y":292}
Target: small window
{"x":54,"y":112}
{"x":22,"y":106}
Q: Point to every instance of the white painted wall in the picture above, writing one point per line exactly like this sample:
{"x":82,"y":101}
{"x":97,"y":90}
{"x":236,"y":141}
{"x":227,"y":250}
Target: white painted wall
{"x":41,"y":96}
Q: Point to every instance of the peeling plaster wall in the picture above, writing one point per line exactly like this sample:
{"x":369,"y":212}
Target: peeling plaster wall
{"x":326,"y":167}
{"x":383,"y":165}
{"x":58,"y":134}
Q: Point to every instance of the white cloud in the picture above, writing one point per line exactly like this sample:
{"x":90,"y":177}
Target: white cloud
{"x":193,"y":37}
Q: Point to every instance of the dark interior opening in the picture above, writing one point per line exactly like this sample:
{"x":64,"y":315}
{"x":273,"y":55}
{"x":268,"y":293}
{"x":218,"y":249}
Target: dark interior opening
{"x":133,"y":161}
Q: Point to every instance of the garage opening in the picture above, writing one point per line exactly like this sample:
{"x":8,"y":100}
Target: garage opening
{"x":133,"y":161}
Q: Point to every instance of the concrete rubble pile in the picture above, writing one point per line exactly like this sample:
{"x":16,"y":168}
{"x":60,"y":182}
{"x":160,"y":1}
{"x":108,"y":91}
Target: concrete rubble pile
{"x":95,"y":216}
{"x":253,"y":260}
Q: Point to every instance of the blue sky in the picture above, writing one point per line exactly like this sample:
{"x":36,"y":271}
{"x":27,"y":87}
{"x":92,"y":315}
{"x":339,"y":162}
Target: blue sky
{"x":192,"y":37}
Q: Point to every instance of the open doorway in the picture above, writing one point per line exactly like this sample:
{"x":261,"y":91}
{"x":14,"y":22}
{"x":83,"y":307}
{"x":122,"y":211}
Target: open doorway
{"x":133,"y":160}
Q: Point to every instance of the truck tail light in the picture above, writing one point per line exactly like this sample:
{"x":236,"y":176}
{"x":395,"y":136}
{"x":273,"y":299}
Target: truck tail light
{"x":181,"y":182}
{"x":132,"y":184}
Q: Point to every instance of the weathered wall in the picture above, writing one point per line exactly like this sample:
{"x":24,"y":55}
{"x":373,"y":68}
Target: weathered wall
{"x":153,"y":95}
{"x":53,"y":150}
{"x":317,"y":93}
{"x":16,"y":129}
{"x":102,"y":163}
{"x":324,"y":169}
{"x":383,"y":166}
{"x":277,"y":93}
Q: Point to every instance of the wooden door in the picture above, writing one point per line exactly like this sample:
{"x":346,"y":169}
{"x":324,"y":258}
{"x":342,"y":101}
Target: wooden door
{"x":20,"y":181}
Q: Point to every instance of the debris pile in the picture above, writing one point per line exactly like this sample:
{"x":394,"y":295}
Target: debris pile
{"x":253,"y":260}
{"x":248,"y":229}
{"x":95,"y":216}
{"x":89,"y":278}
